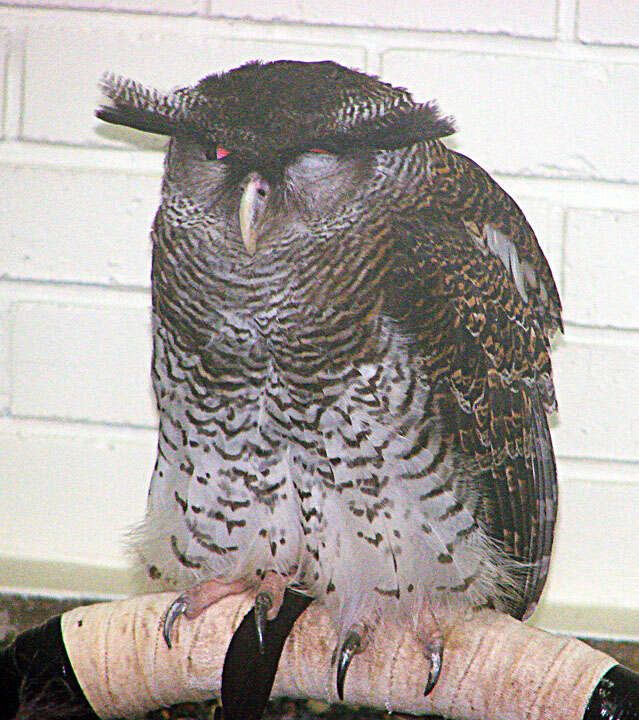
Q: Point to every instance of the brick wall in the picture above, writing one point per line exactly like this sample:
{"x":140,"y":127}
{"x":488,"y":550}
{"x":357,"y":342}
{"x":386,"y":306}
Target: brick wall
{"x":546,"y":95}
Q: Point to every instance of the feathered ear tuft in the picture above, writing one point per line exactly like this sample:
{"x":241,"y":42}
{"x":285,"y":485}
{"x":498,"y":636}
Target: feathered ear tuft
{"x":423,"y":122}
{"x":404,"y":126}
{"x":136,"y":106}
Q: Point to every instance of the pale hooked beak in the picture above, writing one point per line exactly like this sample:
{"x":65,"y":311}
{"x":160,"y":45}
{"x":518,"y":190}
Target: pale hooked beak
{"x":252,"y":204}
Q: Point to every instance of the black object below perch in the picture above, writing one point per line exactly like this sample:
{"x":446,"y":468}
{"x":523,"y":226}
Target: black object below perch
{"x":616,"y":697}
{"x":37,"y":680}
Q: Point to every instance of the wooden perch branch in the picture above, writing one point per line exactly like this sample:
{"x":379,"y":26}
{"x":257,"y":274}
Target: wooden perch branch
{"x":495,"y":668}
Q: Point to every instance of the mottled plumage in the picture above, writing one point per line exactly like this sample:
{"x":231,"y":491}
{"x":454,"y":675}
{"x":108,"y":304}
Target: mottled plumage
{"x":350,"y":355}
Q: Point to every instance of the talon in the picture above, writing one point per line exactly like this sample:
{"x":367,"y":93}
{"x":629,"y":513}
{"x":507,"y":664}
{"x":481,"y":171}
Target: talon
{"x":436,"y":655}
{"x":351,"y":646}
{"x":263,"y":603}
{"x":176,"y":608}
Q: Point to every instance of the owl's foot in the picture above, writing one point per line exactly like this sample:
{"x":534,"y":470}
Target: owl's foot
{"x":195,"y":600}
{"x":355,"y":642}
{"x":268,"y":602}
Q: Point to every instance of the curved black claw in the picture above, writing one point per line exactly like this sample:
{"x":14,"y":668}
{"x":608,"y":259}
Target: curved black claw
{"x":176,"y":608}
{"x":436,"y":656}
{"x":263,"y":603}
{"x":247,"y":675}
{"x":351,"y":646}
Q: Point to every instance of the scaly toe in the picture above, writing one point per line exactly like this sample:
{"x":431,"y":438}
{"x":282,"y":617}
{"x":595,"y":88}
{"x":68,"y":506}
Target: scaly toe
{"x":176,"y":608}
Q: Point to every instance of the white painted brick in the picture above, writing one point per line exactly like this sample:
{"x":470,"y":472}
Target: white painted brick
{"x":531,"y":115}
{"x":81,"y":363}
{"x":597,"y":387}
{"x":4,"y":51}
{"x":59,"y":106}
{"x":169,"y":7}
{"x":76,"y":225}
{"x":614,"y":22}
{"x":602,"y":268}
{"x":595,"y":561}
{"x":563,"y":193}
{"x":71,"y":497}
{"x":517,"y":17}
{"x":4,"y":357}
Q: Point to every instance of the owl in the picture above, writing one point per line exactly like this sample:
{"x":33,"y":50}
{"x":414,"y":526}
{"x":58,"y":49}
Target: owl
{"x":351,"y":328}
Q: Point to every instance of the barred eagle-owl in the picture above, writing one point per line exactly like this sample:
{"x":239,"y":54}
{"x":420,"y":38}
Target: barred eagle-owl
{"x":351,"y":326}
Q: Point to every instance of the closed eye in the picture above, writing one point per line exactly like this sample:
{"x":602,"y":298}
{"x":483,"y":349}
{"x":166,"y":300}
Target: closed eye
{"x":314,"y":157}
{"x":311,"y":166}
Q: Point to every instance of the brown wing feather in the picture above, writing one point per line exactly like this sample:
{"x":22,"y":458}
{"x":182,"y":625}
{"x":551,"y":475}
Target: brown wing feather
{"x":486,"y":355}
{"x":462,"y":190}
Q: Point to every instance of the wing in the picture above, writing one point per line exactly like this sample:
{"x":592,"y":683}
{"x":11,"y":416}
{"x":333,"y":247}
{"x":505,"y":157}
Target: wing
{"x":483,"y":344}
{"x":462,"y":190}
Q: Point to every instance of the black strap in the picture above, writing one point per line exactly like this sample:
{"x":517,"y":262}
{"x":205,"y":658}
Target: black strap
{"x":616,"y":697}
{"x":248,"y":675}
{"x":35,"y":673}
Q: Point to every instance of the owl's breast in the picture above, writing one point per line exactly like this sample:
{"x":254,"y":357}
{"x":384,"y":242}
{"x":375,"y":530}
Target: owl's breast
{"x":338,"y":478}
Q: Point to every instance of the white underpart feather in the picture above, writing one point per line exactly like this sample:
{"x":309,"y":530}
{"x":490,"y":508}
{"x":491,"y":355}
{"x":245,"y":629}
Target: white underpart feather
{"x":365,"y":463}
{"x":394,"y":563}
{"x":501,"y":246}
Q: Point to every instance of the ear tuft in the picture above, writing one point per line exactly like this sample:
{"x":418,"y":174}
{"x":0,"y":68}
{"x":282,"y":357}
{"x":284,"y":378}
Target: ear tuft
{"x":134,"y":105}
{"x":404,"y":126}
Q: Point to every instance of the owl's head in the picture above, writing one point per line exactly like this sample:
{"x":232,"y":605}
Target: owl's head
{"x":273,"y":146}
